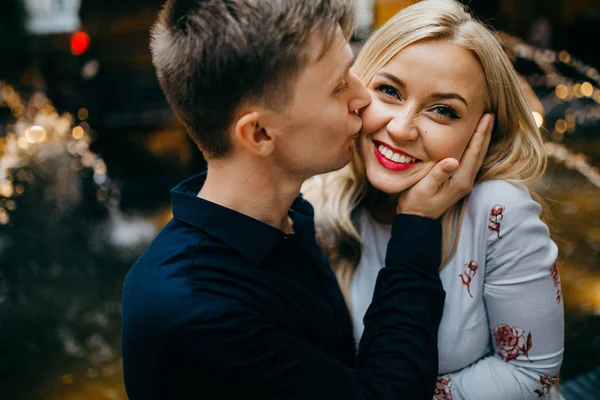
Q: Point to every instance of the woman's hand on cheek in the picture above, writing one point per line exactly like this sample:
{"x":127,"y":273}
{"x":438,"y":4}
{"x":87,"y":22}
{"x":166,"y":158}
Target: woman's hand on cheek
{"x":448,"y":182}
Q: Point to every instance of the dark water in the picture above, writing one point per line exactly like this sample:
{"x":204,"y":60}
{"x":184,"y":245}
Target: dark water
{"x":575,"y":206}
{"x":62,"y":264}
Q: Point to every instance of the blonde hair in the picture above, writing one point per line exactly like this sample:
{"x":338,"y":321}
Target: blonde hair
{"x":516,"y":152}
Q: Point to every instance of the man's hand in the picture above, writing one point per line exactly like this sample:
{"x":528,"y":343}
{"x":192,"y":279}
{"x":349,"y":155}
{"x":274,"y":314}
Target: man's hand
{"x":448,"y":182}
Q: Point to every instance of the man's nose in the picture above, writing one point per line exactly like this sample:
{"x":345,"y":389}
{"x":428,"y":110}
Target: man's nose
{"x":360,"y":95}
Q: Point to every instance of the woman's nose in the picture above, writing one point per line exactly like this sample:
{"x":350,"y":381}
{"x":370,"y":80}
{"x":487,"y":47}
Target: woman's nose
{"x":402,"y":126}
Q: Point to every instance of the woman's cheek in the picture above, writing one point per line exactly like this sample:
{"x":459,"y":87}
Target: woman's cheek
{"x":375,"y":116}
{"x":439,"y":143}
{"x":367,"y":119}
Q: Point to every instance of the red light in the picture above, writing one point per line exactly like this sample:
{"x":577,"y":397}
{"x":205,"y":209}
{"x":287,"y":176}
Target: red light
{"x":80,"y":41}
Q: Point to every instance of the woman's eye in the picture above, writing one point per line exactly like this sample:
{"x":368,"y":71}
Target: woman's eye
{"x":445,"y":112}
{"x":388,"y":90}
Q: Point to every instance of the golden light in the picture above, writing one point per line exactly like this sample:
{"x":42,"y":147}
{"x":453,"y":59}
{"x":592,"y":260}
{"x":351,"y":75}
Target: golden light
{"x":539,"y":119}
{"x":35,"y":134}
{"x":597,"y":96}
{"x":570,"y":118}
{"x":3,"y":216}
{"x":23,"y":142}
{"x":592,"y":73}
{"x":88,"y":158}
{"x":63,"y":124}
{"x":30,"y":177}
{"x":78,"y":132}
{"x":562,"y":91}
{"x":561,"y":126}
{"x":564,"y":57}
{"x":67,"y":379}
{"x":82,"y":114}
{"x":48,"y":109}
{"x":6,"y":188}
{"x":100,"y":168}
{"x":587,"y":89}
{"x":577,"y":89}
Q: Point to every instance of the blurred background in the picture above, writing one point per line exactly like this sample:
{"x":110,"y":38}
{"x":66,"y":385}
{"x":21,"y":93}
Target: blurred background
{"x":89,"y":150}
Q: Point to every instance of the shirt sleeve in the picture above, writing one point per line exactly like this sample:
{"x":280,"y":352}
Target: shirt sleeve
{"x":524,"y":307}
{"x":398,"y":353}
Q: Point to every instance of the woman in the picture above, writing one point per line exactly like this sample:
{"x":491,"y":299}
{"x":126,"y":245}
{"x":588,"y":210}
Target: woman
{"x":433,"y":71}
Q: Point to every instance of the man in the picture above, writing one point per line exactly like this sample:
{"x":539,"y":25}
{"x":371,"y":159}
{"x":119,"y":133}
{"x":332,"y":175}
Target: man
{"x":234,"y":299}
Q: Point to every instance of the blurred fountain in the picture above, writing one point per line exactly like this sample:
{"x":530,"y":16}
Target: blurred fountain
{"x":40,"y":143}
{"x":564,"y":94}
{"x":59,"y":292}
{"x":565,"y":97}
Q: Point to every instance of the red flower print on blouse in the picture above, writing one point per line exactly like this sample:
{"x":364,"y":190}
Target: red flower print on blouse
{"x":443,"y":389}
{"x":547,"y":383}
{"x":556,"y":278}
{"x":511,"y":342}
{"x":496,"y":215}
{"x":470,"y":271}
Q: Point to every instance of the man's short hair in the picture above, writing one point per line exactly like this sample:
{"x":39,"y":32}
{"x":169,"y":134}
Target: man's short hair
{"x":212,"y":55}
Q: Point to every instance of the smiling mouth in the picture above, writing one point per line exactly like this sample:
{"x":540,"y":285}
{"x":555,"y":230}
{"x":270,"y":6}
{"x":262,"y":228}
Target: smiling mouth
{"x":393,"y":159}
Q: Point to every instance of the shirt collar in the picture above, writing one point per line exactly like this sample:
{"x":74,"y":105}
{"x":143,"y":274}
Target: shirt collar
{"x":252,"y":238}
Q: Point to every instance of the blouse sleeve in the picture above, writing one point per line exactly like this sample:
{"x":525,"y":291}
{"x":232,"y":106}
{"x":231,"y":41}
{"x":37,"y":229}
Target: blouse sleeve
{"x":523,"y":304}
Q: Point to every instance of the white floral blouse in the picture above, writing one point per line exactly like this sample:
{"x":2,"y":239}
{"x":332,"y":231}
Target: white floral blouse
{"x":502,"y":331}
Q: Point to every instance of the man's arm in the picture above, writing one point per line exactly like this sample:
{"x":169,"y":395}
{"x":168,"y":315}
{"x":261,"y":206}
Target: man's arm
{"x":401,"y":324}
{"x":237,"y":345}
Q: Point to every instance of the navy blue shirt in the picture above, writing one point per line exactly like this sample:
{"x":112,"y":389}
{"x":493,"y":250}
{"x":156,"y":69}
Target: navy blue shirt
{"x":224,"y":306}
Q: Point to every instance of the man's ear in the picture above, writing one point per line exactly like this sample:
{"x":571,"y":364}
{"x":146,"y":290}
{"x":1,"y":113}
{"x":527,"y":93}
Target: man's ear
{"x":250,"y":133}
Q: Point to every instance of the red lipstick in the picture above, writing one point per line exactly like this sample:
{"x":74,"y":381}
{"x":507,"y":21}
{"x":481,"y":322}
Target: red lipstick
{"x":389,"y":164}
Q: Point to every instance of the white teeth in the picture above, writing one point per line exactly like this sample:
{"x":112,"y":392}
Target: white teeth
{"x":390,"y":155}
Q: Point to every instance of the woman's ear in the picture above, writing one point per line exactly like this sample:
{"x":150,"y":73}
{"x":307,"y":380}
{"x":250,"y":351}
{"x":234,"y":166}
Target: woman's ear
{"x":250,"y":133}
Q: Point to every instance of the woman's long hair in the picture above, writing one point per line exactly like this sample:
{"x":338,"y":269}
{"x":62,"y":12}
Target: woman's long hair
{"x":516,"y":153}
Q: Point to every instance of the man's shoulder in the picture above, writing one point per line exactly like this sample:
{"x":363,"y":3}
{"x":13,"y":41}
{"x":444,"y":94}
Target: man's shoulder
{"x":171,"y":250}
{"x":158,"y":284}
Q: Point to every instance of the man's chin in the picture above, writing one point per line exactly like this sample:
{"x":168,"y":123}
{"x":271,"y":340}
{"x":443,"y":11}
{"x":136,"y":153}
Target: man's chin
{"x":333,"y":167}
{"x":343,"y":162}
